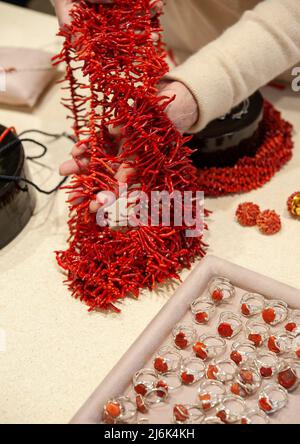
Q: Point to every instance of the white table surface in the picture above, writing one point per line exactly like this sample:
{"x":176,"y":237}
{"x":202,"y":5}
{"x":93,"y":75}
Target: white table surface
{"x":57,"y":353}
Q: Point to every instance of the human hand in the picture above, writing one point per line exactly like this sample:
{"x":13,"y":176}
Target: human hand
{"x":183,"y":112}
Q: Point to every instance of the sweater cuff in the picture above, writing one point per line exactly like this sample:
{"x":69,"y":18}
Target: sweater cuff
{"x":206,"y":78}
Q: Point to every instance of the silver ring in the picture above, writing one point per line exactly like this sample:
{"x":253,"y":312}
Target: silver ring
{"x":187,"y":414}
{"x":257,"y":332}
{"x":221,"y":290}
{"x":251,"y":304}
{"x":280,"y":343}
{"x":255,"y":416}
{"x":183,"y":336}
{"x":144,"y":380}
{"x":275,"y":312}
{"x":230,"y":325}
{"x":192,"y":370}
{"x":270,"y":404}
{"x":231,"y":409}
{"x":224,"y":370}
{"x":210,"y":394}
{"x":243,"y":352}
{"x":267,"y":364}
{"x":209,"y":346}
{"x":167,"y":360}
{"x":202,"y":310}
{"x":247,"y":382}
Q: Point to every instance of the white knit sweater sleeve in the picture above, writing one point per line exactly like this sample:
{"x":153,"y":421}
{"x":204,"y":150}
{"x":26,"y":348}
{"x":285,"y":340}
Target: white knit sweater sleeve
{"x":264,"y":43}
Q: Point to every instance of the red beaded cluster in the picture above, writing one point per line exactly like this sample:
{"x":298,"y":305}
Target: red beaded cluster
{"x":269,"y":222}
{"x":247,"y":214}
{"x":250,"y":173}
{"x":112,"y":47}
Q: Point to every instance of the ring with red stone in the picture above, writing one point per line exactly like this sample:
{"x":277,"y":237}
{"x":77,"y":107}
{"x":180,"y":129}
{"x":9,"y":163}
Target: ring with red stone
{"x":251,"y":304}
{"x":267,"y":364}
{"x":223,"y":371}
{"x":167,"y":360}
{"x":157,"y":395}
{"x":275,"y":312}
{"x":209,"y":346}
{"x":154,"y":396}
{"x":279,"y":343}
{"x":257,"y":332}
{"x":202,"y":310}
{"x":212,"y":420}
{"x":243,"y":352}
{"x":210,"y":394}
{"x":192,"y":370}
{"x":230,"y":325}
{"x":295,"y":348}
{"x":247,"y":382}
{"x":255,"y":416}
{"x":289,"y":374}
{"x":187,"y":414}
{"x":120,"y":410}
{"x":272,"y":398}
{"x":144,"y":380}
{"x":169,"y":382}
{"x":231,"y":409}
{"x":112,"y":411}
{"x":183,"y":336}
{"x":292,"y":325}
{"x":221,"y":290}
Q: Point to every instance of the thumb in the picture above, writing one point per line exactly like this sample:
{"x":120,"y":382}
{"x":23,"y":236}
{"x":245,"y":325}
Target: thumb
{"x":63,"y":8}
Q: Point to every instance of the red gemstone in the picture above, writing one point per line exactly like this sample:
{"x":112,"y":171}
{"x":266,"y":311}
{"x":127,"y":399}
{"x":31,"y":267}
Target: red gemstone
{"x":266,"y":372}
{"x":298,"y":353}
{"x":255,"y":338}
{"x":217,"y":295}
{"x":199,"y":350}
{"x":264,"y":405}
{"x":113,"y":409}
{"x":205,"y":401}
{"x":246,"y":376}
{"x":287,"y":378}
{"x":245,"y":309}
{"x":211,"y":371}
{"x":201,"y":317}
{"x":236,"y":357}
{"x":244,"y":421}
{"x":225,"y":330}
{"x":181,"y":413}
{"x":162,"y":385}
{"x":291,"y":326}
{"x":269,"y":315}
{"x":141,"y":389}
{"x":140,"y":404}
{"x":181,"y":340}
{"x":272,"y":346}
{"x":235,"y":389}
{"x":187,"y":378}
{"x":160,"y":365}
{"x":223,"y":416}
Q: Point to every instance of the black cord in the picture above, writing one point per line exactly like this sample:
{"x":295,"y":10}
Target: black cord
{"x":22,"y":179}
{"x":17,"y":141}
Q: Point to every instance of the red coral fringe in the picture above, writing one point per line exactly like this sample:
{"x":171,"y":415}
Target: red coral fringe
{"x":112,"y":47}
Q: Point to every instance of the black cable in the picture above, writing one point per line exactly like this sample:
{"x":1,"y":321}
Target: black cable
{"x":22,"y":179}
{"x":17,"y":141}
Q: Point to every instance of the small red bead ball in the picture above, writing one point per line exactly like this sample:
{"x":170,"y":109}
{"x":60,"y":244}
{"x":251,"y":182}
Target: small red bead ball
{"x":247,"y":214}
{"x":269,"y":222}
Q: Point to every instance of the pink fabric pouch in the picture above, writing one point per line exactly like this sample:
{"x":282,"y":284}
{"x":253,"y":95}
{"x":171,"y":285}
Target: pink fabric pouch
{"x":24,"y":75}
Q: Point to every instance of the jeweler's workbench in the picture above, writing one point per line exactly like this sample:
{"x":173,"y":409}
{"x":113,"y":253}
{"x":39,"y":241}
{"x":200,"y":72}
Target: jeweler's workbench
{"x":56,"y":352}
